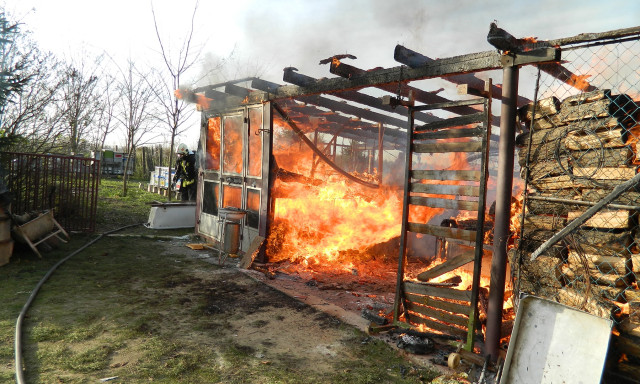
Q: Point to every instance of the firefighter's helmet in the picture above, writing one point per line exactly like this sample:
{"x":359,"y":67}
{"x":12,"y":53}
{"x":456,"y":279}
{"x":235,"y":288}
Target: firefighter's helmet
{"x":182,"y":149}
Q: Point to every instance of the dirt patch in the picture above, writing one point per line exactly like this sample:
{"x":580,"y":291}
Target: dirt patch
{"x":148,"y":310}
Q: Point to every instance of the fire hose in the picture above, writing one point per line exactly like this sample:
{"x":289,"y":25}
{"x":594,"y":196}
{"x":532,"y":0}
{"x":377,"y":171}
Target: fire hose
{"x":18,"y":337}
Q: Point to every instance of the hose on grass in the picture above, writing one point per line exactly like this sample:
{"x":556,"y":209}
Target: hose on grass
{"x":23,"y":312}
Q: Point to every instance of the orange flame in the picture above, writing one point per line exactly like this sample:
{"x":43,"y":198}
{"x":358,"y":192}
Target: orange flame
{"x":315,"y":225}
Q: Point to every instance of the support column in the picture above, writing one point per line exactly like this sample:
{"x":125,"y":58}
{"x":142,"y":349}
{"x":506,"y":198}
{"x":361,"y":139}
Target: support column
{"x":380,"y":151}
{"x":503,"y":209}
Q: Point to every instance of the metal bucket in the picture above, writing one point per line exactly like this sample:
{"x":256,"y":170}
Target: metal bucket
{"x":231,"y":243}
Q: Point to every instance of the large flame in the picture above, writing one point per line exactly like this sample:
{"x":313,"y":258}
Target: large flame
{"x":315,"y":225}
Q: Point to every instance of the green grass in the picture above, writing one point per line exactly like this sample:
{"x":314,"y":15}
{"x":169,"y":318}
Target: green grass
{"x":121,"y":309}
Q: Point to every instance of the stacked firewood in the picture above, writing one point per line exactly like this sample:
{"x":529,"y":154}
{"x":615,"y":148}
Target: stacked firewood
{"x":578,"y":150}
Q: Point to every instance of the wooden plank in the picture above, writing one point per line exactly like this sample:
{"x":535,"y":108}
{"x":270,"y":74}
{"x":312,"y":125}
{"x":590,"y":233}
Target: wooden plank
{"x":251,"y":253}
{"x":601,"y":239}
{"x":440,"y":327}
{"x":542,"y":152}
{"x":592,"y":125}
{"x":445,"y":293}
{"x":604,"y":219}
{"x":554,"y":183}
{"x":447,"y":266}
{"x":435,"y":202}
{"x":436,"y":230}
{"x":445,"y":189}
{"x":540,"y":136}
{"x":449,"y":134}
{"x":548,"y":122}
{"x":602,"y":157}
{"x":449,"y":306}
{"x":437,"y":314}
{"x":446,"y":175}
{"x":543,"y":203}
{"x":635,"y":265}
{"x":605,"y":173}
{"x":573,"y":272}
{"x":452,"y":122}
{"x":578,"y":300}
{"x":604,"y":264}
{"x":608,"y":138}
{"x":541,"y":169}
{"x":543,"y":107}
{"x":586,"y":97}
{"x":596,"y":109}
{"x":551,"y":223}
{"x":595,"y":195}
{"x":475,"y":146}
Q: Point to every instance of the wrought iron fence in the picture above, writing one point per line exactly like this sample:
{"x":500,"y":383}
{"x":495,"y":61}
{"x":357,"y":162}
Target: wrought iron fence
{"x":65,"y":184}
{"x":577,"y":153}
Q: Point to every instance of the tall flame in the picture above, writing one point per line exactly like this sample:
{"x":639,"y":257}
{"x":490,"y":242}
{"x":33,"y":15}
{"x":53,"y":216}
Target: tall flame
{"x":316,"y":224}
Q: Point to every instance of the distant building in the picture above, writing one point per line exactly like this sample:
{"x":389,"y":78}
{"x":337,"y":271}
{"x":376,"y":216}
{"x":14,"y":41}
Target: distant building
{"x":113,"y":162}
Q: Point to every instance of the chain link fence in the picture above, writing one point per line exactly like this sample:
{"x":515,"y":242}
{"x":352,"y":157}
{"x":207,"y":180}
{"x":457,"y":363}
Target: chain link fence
{"x":578,"y":146}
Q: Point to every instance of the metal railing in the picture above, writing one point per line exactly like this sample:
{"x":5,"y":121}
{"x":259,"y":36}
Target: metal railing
{"x":65,"y":184}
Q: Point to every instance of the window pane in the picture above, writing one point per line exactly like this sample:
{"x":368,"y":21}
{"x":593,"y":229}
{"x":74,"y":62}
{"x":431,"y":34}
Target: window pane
{"x":253,"y":208}
{"x":232,"y":196}
{"x":210,"y":198}
{"x":213,"y":144}
{"x":232,"y":144}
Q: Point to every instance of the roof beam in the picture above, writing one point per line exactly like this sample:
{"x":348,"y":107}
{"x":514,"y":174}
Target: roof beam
{"x":303,"y":80}
{"x":414,"y":59}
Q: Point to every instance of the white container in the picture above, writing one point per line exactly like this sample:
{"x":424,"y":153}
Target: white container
{"x":552,"y":343}
{"x":172,"y":215}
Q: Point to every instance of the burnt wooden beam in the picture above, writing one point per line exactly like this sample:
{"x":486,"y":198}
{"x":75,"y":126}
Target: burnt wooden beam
{"x":414,"y":59}
{"x":595,"y":37}
{"x":566,"y":76}
{"x":290,"y":76}
{"x":334,"y":105}
{"x":349,"y":71}
{"x":390,"y":134}
{"x":293,"y":77}
{"x":368,"y":131}
{"x":475,"y":62}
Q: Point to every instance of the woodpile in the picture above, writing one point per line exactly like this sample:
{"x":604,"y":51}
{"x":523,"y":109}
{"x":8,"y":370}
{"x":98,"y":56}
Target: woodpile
{"x":578,"y":150}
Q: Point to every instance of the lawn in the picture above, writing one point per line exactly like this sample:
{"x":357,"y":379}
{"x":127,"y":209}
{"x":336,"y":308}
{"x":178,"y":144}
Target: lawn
{"x":141,"y":309}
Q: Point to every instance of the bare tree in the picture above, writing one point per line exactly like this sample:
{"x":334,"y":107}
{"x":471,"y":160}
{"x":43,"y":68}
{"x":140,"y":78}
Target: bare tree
{"x":175,"y":111}
{"x":80,"y":102}
{"x":33,"y":113}
{"x":136,"y":111}
{"x":105,"y":120}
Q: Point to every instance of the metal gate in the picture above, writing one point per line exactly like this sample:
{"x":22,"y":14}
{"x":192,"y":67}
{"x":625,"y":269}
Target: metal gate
{"x":453,"y":189}
{"x":65,"y":184}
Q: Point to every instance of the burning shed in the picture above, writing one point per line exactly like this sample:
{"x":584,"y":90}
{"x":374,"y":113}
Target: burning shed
{"x":385,"y":166}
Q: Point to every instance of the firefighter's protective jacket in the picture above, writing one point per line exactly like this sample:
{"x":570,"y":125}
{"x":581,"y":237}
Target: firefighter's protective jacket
{"x":186,"y":170}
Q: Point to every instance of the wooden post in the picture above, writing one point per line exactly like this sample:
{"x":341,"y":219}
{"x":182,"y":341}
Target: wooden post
{"x":380,"y":151}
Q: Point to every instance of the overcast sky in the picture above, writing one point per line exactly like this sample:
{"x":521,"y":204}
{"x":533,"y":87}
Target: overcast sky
{"x":278,"y":33}
{"x":267,"y":36}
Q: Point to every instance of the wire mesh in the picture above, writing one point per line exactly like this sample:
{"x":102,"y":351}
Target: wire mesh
{"x":578,"y":145}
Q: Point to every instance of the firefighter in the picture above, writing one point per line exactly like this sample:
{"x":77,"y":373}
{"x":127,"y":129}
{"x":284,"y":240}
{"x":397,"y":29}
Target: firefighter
{"x":186,"y":173}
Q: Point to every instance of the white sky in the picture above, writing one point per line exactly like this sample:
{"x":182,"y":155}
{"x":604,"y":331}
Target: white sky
{"x":271,"y":35}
